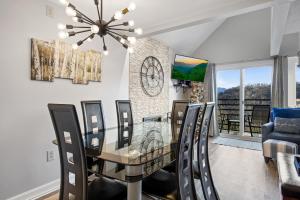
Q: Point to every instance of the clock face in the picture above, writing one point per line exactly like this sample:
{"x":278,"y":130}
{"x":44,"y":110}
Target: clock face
{"x":152,"y":76}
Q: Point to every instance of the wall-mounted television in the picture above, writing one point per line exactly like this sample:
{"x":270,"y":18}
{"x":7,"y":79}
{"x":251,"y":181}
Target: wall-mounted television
{"x":189,"y":69}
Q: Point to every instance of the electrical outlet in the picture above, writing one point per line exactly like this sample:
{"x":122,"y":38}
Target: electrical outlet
{"x":50,"y":155}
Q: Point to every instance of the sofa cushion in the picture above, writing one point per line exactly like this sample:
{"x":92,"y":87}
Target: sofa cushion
{"x":295,"y":138}
{"x":285,"y":113}
{"x":287,"y":125}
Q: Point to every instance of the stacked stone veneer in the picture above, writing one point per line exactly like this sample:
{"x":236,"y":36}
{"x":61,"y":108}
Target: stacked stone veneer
{"x":142,"y":104}
{"x":199,"y":92}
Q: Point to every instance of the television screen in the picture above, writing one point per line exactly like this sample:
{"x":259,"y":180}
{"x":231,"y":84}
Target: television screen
{"x":189,"y":69}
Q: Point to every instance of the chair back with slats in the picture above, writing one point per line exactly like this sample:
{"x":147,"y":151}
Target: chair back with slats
{"x":184,"y":170}
{"x":152,"y":119}
{"x":178,"y":109}
{"x":124,"y":113}
{"x":70,"y":145}
{"x":124,"y":136}
{"x":207,"y":184}
{"x":92,"y":116}
{"x":261,"y":114}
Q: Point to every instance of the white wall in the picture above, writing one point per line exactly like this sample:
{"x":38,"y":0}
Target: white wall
{"x":26,"y":130}
{"x":240,"y":38}
{"x":290,"y":45}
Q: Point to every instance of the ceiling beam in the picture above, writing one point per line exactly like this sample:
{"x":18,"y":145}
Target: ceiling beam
{"x":279,"y":17}
{"x":206,"y":16}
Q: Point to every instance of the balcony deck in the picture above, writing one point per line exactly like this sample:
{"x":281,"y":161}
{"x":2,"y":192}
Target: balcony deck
{"x":229,"y":109}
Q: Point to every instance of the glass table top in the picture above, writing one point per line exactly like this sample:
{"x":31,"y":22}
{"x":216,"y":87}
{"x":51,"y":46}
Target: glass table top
{"x":132,"y":145}
{"x":133,"y":152}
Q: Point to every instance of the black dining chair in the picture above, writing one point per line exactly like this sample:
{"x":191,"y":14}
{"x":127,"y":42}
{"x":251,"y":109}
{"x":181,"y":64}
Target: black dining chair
{"x":74,"y":178}
{"x":93,"y":119}
{"x":178,"y":109}
{"x":92,"y":116}
{"x":166,"y":185}
{"x":124,"y":113}
{"x":201,"y":166}
{"x":260,"y":115}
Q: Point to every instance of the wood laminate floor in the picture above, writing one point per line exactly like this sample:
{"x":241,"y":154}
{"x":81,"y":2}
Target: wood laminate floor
{"x":239,"y":174}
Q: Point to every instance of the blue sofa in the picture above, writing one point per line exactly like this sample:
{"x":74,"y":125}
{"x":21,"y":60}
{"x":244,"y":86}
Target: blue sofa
{"x":268,"y":129}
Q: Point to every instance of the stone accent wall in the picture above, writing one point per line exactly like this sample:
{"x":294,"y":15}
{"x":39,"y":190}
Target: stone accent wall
{"x":199,"y":92}
{"x":142,"y":104}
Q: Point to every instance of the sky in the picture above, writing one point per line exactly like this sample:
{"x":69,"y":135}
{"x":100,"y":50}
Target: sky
{"x":188,"y":60}
{"x":298,"y":74}
{"x":231,"y":78}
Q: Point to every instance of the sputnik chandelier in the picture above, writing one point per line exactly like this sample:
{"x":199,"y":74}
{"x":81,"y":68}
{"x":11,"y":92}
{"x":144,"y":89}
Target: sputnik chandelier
{"x":99,"y":27}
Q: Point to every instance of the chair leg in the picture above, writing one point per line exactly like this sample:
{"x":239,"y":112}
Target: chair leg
{"x":221,"y":128}
{"x":250,"y":129}
{"x":229,"y":125}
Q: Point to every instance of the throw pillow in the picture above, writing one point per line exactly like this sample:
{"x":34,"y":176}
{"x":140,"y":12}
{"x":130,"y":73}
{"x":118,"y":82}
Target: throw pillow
{"x":287,"y":125}
{"x":285,"y":113}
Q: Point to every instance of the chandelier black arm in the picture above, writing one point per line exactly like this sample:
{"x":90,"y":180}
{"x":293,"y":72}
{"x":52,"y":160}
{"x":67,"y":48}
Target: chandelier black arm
{"x":113,"y":36}
{"x":81,"y":27}
{"x":121,"y":24}
{"x":82,"y":31}
{"x":121,"y":29}
{"x":122,"y":36}
{"x":98,"y":11}
{"x":91,"y":35}
{"x":84,"y":16}
{"x":86,"y":22}
{"x":101,"y":16}
{"x":104,"y":45}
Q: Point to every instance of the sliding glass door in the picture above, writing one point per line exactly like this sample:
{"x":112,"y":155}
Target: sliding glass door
{"x":241,"y":90}
{"x":257,"y":84}
{"x":228,"y":91}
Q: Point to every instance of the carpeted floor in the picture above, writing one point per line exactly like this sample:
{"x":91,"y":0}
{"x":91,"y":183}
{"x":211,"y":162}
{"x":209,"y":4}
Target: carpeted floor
{"x":237,"y":143}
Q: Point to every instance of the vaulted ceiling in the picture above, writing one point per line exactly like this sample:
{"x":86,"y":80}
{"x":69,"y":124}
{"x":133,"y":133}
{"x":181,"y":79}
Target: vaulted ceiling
{"x":185,"y":25}
{"x":157,"y":16}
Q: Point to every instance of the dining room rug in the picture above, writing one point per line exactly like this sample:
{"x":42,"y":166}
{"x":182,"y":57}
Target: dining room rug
{"x":238,"y":143}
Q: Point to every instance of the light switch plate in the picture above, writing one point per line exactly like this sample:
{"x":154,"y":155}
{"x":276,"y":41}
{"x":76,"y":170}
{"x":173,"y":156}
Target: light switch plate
{"x":49,"y":11}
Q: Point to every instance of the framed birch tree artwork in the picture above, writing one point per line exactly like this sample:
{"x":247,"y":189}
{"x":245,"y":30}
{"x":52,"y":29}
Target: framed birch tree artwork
{"x":57,"y":59}
{"x":42,"y":60}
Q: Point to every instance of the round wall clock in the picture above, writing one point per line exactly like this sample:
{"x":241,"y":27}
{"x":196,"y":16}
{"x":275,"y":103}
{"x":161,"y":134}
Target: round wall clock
{"x":152,"y":76}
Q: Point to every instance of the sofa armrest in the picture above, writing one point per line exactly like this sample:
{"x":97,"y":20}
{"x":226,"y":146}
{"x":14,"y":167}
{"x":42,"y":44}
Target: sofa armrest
{"x":266,"y":129}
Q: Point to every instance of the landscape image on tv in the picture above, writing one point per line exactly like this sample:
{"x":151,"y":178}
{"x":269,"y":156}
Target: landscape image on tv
{"x":189,"y":69}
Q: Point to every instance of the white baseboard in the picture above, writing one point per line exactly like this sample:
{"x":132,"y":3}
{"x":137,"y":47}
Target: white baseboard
{"x":38,"y":192}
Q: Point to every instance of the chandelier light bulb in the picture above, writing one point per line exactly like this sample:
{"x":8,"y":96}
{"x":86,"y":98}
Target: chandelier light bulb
{"x":122,"y":40}
{"x":132,"y":40}
{"x":132,"y":6}
{"x":61,"y":26}
{"x":75,"y":46}
{"x":63,"y":35}
{"x":64,"y":2}
{"x":118,"y":15}
{"x":130,"y":50}
{"x":131,"y":23}
{"x":106,"y":52}
{"x":70,"y":12}
{"x":138,"y":31}
{"x":75,"y":19}
{"x":95,"y":29}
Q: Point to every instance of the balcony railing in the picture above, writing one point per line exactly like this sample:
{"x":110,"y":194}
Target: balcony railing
{"x":229,"y":108}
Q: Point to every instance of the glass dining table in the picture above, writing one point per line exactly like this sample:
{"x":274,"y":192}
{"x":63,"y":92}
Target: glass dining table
{"x":132,"y":153}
